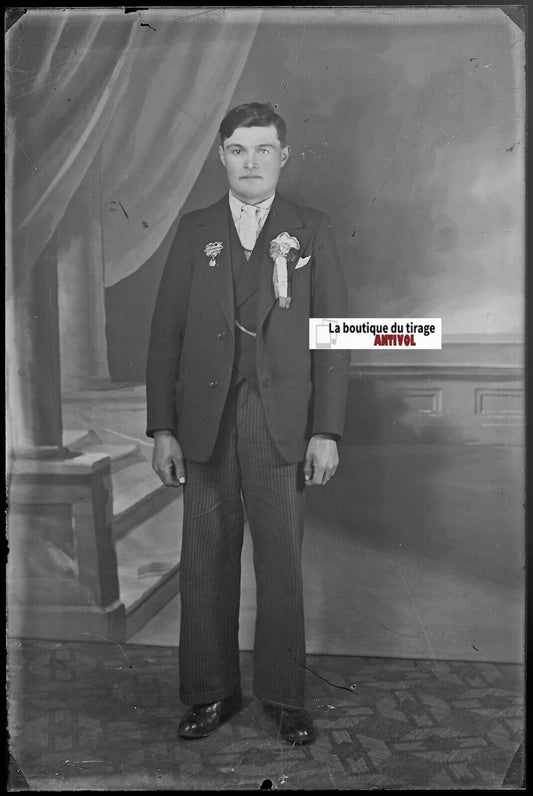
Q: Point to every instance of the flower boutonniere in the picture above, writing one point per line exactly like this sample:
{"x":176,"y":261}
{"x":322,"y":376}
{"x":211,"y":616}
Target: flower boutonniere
{"x":212,"y":250}
{"x":283,"y":250}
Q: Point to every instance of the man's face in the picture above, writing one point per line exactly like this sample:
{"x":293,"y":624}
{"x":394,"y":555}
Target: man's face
{"x":253,"y":157}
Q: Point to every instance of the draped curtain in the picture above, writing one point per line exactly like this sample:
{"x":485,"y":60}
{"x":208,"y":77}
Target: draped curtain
{"x":110,"y":117}
{"x":182,"y":80}
{"x":149,"y":89}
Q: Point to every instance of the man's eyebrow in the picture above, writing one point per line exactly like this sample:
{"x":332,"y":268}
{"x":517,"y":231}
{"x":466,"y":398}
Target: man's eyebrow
{"x":258,"y":146}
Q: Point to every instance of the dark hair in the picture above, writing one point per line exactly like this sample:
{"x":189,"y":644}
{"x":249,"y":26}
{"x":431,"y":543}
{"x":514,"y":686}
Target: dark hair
{"x":252,"y":114}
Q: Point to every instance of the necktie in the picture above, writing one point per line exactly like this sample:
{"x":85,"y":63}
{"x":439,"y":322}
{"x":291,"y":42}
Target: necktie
{"x":248,"y":227}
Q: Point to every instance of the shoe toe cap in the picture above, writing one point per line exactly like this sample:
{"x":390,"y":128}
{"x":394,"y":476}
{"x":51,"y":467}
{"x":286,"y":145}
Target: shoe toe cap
{"x":189,"y":729}
{"x":302,"y":735}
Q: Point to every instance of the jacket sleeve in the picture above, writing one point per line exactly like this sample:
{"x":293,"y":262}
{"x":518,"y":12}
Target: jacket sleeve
{"x":329,"y":368}
{"x":166,"y":336}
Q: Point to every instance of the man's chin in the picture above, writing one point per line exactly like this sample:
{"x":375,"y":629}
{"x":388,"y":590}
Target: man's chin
{"x":251,"y":191}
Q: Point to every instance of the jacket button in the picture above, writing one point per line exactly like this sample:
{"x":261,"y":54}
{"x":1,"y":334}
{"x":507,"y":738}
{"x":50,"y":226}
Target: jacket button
{"x":213,"y":383}
{"x":221,"y":335}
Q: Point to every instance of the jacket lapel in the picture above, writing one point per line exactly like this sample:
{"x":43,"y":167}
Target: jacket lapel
{"x":283,"y":217}
{"x":213,"y":227}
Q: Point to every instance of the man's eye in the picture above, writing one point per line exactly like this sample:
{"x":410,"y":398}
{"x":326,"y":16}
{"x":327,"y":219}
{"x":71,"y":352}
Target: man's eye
{"x":264,"y":151}
{"x":235,"y":151}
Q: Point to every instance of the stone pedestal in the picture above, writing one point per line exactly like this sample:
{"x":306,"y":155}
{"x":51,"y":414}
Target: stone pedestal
{"x":62,"y":566}
{"x":34,"y":426}
{"x":82,"y":321}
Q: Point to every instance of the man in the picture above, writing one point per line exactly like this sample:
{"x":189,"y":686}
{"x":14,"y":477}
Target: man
{"x":242,"y":412}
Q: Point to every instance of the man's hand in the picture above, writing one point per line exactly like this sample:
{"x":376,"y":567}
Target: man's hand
{"x":321,"y":460}
{"x":167,"y":460}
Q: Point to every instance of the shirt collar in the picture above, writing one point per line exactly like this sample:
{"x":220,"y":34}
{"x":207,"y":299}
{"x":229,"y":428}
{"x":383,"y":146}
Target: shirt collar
{"x":236,"y":204}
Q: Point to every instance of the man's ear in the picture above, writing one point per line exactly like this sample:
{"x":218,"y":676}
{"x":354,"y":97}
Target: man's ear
{"x":285,"y":152}
{"x":221,"y":155}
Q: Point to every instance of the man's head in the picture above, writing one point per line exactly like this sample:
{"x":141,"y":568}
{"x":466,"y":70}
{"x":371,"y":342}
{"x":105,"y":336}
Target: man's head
{"x":253,"y":149}
{"x":253,"y":114}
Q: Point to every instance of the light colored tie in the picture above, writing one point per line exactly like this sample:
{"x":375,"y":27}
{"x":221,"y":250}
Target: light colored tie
{"x":248,"y":227}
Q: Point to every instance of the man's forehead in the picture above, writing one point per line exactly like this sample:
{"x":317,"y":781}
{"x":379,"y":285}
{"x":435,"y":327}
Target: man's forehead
{"x":253,"y":135}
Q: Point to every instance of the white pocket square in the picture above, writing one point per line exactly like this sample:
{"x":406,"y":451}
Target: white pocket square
{"x":302,"y":261}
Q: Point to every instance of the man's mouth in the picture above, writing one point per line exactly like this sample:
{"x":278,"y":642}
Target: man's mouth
{"x":251,"y":177}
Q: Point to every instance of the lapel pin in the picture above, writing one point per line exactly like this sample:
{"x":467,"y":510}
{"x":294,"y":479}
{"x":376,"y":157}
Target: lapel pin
{"x":212,"y":250}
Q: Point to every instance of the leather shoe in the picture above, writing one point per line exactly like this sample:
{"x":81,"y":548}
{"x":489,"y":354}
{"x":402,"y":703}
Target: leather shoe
{"x":203,"y":719}
{"x":295,"y":725}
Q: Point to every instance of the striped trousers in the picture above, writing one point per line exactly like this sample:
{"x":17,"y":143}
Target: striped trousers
{"x":245,"y":467}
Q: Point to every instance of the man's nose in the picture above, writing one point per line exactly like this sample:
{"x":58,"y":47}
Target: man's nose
{"x":250,"y":162}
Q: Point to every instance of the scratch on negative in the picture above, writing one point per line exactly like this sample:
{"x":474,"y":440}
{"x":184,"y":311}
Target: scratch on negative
{"x":103,"y":638}
{"x":42,"y":71}
{"x":386,"y":180}
{"x":415,"y":609}
{"x":126,"y":436}
{"x":352,"y":689}
{"x":293,"y":67}
{"x":202,"y":13}
{"x":191,"y":117}
{"x":118,"y":202}
{"x":20,"y":145}
{"x":37,"y":88}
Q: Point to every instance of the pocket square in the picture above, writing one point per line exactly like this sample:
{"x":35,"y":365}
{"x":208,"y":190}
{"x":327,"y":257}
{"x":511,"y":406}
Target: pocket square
{"x":302,"y":261}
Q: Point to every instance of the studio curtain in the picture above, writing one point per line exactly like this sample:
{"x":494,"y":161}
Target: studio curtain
{"x":110,"y":117}
{"x":148,"y":89}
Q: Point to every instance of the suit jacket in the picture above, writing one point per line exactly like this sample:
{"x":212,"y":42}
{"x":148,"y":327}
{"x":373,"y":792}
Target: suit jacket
{"x":192,"y":342}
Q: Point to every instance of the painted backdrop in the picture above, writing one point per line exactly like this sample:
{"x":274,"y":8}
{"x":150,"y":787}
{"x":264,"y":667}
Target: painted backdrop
{"x":406,"y":127}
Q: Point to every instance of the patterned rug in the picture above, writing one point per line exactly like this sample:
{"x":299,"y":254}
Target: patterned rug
{"x":98,"y":716}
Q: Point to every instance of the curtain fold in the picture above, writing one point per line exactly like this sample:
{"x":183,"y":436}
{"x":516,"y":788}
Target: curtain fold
{"x":67,"y":71}
{"x":183,"y":79}
{"x":144,"y":92}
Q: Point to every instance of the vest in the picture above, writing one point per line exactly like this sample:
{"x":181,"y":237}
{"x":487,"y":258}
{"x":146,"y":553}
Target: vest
{"x":245,"y":282}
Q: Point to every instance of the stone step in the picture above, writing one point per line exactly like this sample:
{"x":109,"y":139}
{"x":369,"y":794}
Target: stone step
{"x":148,"y":563}
{"x":137,"y":491}
{"x":137,"y":494}
{"x":146,"y":525}
{"x":121,"y":454}
{"x":75,"y":438}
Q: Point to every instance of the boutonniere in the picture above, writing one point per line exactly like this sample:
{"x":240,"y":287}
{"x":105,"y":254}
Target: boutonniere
{"x":283,"y":250}
{"x":212,"y":250}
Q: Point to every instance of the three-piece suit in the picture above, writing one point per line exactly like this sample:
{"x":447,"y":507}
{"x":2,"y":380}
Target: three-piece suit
{"x":231,"y":374}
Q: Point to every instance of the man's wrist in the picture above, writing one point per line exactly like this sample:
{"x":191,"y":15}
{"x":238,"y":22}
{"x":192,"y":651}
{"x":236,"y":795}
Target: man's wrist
{"x":333,"y":437}
{"x":164,"y":432}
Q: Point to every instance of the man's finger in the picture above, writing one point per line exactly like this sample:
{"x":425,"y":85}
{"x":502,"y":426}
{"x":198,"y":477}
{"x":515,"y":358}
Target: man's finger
{"x":168,"y":475}
{"x":180,"y":471}
{"x":328,"y":473}
{"x":170,"y":471}
{"x":309,"y":474}
{"x":316,"y":480}
{"x":308,"y":469}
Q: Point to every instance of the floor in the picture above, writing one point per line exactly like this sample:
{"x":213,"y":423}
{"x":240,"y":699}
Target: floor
{"x":412,"y":551}
{"x":413,"y":565}
{"x":401,"y":574}
{"x":94,"y":716}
